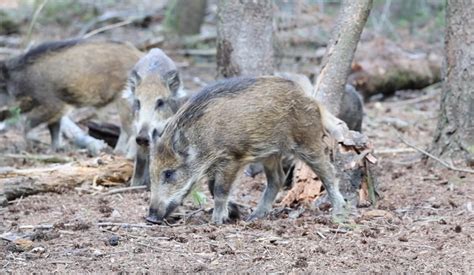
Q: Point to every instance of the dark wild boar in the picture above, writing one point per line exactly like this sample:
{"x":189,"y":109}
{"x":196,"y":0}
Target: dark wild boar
{"x":78,"y":73}
{"x":154,"y":91}
{"x":230,"y":124}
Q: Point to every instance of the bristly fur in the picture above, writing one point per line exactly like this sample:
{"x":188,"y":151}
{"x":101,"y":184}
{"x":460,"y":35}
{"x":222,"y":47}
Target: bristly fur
{"x":32,"y":55}
{"x":198,"y":102}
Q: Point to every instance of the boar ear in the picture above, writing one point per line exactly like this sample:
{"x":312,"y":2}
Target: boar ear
{"x":180,"y":143}
{"x":173,"y":81}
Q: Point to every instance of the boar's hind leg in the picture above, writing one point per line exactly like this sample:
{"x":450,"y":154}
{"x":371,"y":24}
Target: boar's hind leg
{"x":275,"y":179}
{"x":223,"y":180}
{"x":319,"y":163}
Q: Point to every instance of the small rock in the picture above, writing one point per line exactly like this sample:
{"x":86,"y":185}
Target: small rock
{"x":377,"y":213}
{"x":403,"y":238}
{"x":113,"y":240}
{"x":115,"y":214}
{"x":23,"y":244}
{"x":457,"y":229}
{"x":469,"y":206}
{"x":301,"y":262}
{"x":97,"y":253}
{"x":38,"y":250}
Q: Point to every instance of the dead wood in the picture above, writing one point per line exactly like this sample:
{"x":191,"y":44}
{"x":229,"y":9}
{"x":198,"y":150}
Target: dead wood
{"x":107,"y":132}
{"x":381,"y":66}
{"x":104,"y":171}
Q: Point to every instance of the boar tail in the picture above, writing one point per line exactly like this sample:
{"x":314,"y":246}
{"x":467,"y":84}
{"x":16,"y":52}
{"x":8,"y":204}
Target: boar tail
{"x":333,"y":125}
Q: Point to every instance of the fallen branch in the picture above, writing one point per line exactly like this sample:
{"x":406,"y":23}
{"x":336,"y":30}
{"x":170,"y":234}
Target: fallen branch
{"x":138,"y":225}
{"x":393,"y":151}
{"x":124,"y":190}
{"x":100,"y":224}
{"x":106,"y":28}
{"x":41,"y":158}
{"x":56,"y":178}
{"x":444,"y":163}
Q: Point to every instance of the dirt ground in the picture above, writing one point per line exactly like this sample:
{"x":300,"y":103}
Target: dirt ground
{"x":423,"y":221}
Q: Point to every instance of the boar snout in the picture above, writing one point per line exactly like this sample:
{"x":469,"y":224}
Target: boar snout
{"x":142,"y":138}
{"x":153,"y":216}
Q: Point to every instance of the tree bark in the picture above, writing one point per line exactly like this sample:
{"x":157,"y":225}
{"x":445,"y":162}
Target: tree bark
{"x":454,"y":137}
{"x":352,"y":159}
{"x":186,"y":17}
{"x":244,"y":38}
{"x":336,"y":64}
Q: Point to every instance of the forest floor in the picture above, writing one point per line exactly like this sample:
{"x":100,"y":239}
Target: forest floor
{"x":423,"y":220}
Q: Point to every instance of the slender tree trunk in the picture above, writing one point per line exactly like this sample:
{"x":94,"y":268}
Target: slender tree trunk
{"x":245,"y":38}
{"x":330,"y":84}
{"x":454,"y":137}
{"x":185,"y":17}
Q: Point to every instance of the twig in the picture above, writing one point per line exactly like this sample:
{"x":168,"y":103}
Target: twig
{"x":444,"y":163}
{"x":33,"y":22}
{"x":418,"y":99}
{"x":394,"y":151}
{"x":43,"y":158}
{"x":100,"y":224}
{"x":138,"y":225}
{"x":186,"y":217}
{"x":123,"y":190}
{"x":106,"y":28}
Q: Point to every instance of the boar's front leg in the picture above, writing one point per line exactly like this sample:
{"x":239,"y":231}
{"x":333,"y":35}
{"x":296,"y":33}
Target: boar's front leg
{"x":275,"y":179}
{"x":223,"y":179}
{"x":141,"y":173}
{"x":42,"y":114}
{"x":55,"y":132}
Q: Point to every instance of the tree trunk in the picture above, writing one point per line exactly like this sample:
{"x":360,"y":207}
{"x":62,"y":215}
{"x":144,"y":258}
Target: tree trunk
{"x":352,"y":160}
{"x":186,"y":17}
{"x":454,"y":137}
{"x":245,"y":38}
{"x":336,"y":67}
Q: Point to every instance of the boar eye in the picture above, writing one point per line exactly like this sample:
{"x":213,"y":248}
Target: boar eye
{"x":168,"y":174}
{"x":136,"y":105}
{"x":159,"y":103}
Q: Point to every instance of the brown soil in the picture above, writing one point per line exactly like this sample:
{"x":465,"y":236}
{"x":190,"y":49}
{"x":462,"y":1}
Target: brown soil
{"x":423,"y":222}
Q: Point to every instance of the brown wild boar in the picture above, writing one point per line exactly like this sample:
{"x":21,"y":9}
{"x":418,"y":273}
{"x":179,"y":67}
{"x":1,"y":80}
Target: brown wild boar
{"x":230,"y":124}
{"x":351,"y":112}
{"x":78,"y":73}
{"x":154,"y":91}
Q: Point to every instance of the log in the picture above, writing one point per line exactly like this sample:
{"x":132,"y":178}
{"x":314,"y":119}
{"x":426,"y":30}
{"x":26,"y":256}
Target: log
{"x":105,"y":170}
{"x":107,"y":132}
{"x":382,"y":67}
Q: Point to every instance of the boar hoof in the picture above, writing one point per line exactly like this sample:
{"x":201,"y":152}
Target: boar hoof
{"x":254,"y":216}
{"x":153,"y":219}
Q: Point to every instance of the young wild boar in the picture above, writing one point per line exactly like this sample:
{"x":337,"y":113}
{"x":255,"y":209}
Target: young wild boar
{"x":154,"y":92}
{"x":230,"y":124}
{"x":79,"y":73}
